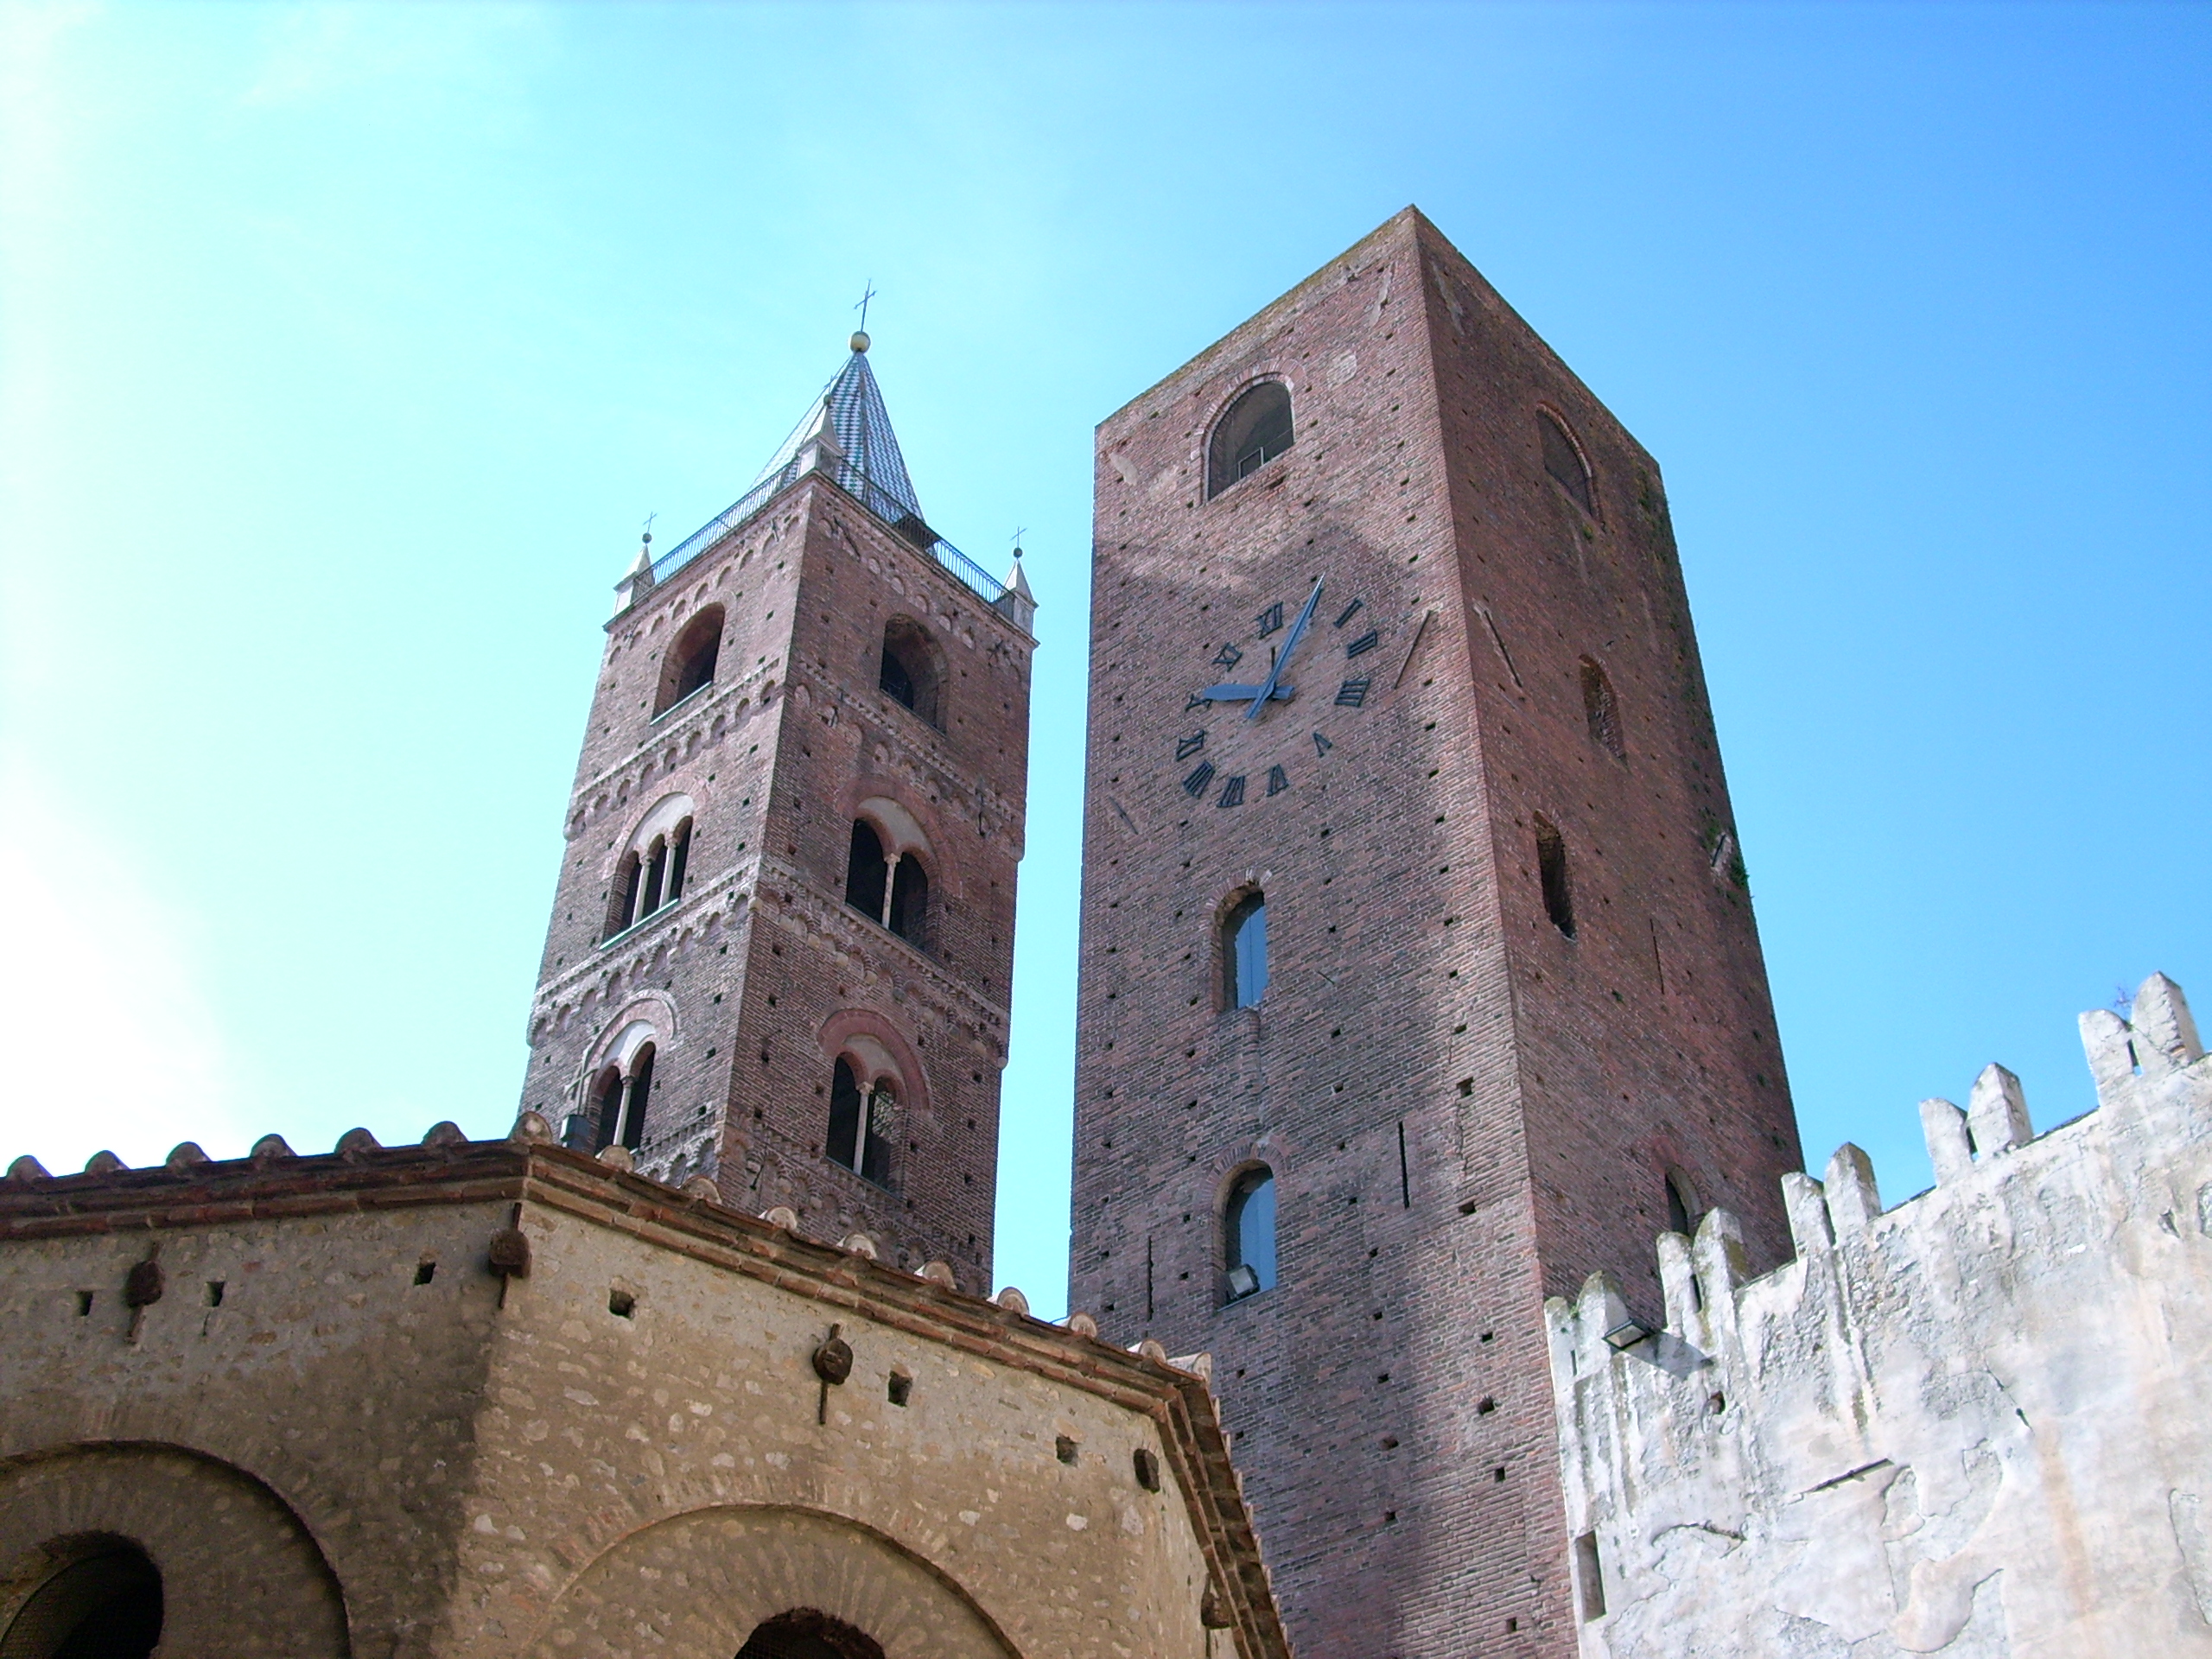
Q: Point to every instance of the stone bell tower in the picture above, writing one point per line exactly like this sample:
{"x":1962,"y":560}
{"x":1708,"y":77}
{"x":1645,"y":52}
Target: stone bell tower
{"x":1419,"y":974}
{"x":781,"y":949}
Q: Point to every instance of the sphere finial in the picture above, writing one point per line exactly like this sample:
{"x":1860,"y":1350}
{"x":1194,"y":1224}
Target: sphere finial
{"x":860,"y":340}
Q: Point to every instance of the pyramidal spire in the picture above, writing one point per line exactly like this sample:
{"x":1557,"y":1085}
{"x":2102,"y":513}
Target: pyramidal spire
{"x":847,"y":434}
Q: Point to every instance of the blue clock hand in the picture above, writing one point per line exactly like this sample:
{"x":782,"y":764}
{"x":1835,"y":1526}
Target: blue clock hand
{"x":1283,"y":658}
{"x":1241,"y":692}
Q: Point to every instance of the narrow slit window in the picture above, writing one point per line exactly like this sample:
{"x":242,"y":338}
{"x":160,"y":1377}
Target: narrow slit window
{"x":1681,"y":1208}
{"x":1551,"y":871}
{"x":1244,"y":951}
{"x":1589,"y":1577}
{"x":1249,"y":1233}
{"x":1601,"y":711}
{"x":1563,"y":461}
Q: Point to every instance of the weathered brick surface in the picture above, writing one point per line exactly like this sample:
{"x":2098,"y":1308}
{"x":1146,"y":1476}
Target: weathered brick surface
{"x":626,"y":1450}
{"x":754,"y":977}
{"x":1462,"y":1107}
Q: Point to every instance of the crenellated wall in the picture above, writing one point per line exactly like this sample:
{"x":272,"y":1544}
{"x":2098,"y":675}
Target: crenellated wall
{"x":1975,"y":1425}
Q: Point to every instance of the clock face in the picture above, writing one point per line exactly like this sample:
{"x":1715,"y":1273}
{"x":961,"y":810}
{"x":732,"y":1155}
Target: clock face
{"x":1258,"y":732}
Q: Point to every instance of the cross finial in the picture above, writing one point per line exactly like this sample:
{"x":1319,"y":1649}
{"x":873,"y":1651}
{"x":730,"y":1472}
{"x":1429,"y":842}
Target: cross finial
{"x":1019,"y":530}
{"x":867,"y":292}
{"x":649,"y":528}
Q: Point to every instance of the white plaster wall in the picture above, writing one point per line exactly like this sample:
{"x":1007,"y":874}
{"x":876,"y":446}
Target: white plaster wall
{"x":1976,"y":1425}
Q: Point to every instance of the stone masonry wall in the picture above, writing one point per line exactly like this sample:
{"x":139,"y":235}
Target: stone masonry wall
{"x":1974,"y":1425}
{"x":498,"y":1398}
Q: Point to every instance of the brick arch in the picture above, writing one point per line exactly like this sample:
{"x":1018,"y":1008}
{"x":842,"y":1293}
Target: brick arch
{"x":706,"y":1581}
{"x":654,"y":1009}
{"x":241,"y":1573}
{"x":853,"y":1031}
{"x":937,"y":855}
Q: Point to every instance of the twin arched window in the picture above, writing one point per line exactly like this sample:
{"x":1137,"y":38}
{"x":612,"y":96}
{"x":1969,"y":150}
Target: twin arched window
{"x":862,"y":1124}
{"x":615,"y":1112}
{"x":892,"y":890}
{"x":1251,"y":432}
{"x":649,"y":877}
{"x":909,"y":671}
{"x":1244,"y":951}
{"x":1248,"y":1230}
{"x":688,"y":665}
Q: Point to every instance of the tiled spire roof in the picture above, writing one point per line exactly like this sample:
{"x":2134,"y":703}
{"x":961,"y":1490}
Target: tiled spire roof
{"x":870,"y":467}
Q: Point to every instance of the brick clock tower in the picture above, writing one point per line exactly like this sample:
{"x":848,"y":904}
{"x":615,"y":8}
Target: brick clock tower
{"x":1419,"y":973}
{"x":782,"y":942}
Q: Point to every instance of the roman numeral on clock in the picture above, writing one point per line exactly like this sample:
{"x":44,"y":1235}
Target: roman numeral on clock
{"x":1365,"y":642}
{"x":1352,"y":694}
{"x":1232,"y":792}
{"x":1201,"y":775}
{"x":1187,"y":746}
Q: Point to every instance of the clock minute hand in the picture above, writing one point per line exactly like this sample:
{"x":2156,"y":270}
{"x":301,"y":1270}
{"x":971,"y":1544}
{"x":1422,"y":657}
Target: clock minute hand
{"x":1283,"y":658}
{"x":1241,"y":693}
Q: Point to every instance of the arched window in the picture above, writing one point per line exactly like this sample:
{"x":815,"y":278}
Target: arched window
{"x":805,"y":1633}
{"x":892,"y":891}
{"x":1600,"y":709}
{"x":908,"y":672}
{"x":1252,"y":432}
{"x":614,"y":1110}
{"x":650,"y":875}
{"x":679,"y":855}
{"x":106,"y":1604}
{"x":1563,"y":461}
{"x":867,"y":873}
{"x":1248,"y":1230}
{"x":1244,"y":951}
{"x":1551,"y":873}
{"x":910,"y":900}
{"x":688,"y":667}
{"x":629,"y":886}
{"x":1681,"y":1204}
{"x":861,"y":1124}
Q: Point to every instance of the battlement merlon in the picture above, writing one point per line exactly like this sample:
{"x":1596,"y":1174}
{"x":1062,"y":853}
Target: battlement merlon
{"x":1984,"y":1392}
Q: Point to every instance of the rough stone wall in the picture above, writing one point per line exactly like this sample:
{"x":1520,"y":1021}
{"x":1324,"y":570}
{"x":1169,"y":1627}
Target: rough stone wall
{"x":1974,"y":1425}
{"x":751,"y":978}
{"x":622,"y":1445}
{"x":1461,"y":1107}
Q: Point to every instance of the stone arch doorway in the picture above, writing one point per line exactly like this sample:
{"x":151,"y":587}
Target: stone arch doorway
{"x":746,"y":1568}
{"x":151,"y":1542}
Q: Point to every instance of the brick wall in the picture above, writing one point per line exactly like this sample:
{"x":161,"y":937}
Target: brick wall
{"x":756,"y":975}
{"x":1461,"y":1107}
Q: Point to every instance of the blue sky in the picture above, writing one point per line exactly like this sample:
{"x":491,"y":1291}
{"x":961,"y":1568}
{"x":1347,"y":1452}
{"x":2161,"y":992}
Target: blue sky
{"x":343,"y":349}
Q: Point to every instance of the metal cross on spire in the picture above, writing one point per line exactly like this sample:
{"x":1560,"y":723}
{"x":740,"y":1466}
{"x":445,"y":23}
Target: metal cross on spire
{"x":867,"y":292}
